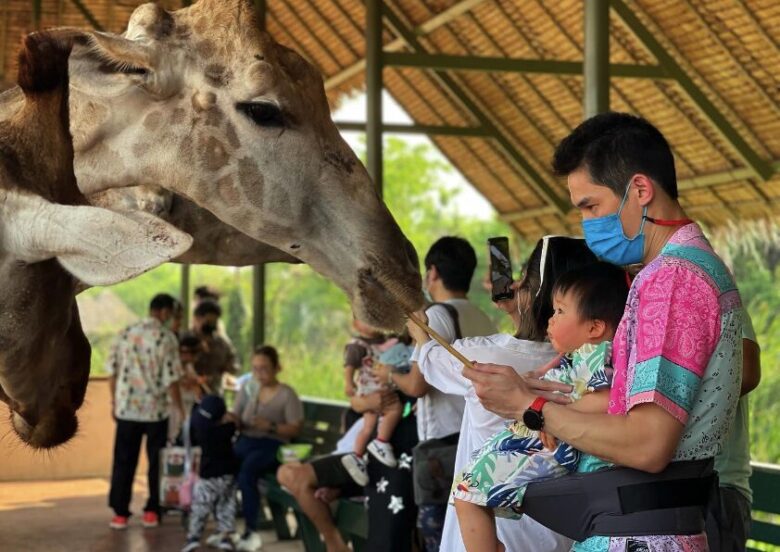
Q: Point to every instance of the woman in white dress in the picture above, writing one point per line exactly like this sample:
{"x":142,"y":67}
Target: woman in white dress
{"x":525,"y":351}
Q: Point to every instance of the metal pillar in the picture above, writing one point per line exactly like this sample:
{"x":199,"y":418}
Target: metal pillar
{"x":374,"y":91}
{"x":258,"y":271}
{"x":184,"y":296}
{"x":596,"y":57}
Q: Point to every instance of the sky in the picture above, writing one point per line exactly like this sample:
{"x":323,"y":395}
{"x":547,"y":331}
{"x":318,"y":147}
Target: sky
{"x":469,"y":200}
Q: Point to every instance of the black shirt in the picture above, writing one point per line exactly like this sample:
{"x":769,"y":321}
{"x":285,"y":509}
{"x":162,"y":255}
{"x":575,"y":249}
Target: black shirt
{"x":216,"y":443}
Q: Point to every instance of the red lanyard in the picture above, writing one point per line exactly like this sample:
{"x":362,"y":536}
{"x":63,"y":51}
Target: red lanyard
{"x":661,"y":222}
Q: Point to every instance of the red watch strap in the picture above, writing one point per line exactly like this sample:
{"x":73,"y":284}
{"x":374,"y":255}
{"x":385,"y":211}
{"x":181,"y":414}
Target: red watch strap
{"x":538,"y":404}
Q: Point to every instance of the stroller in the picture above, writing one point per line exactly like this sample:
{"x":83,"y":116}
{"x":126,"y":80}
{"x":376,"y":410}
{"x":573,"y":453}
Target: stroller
{"x":179,"y":468}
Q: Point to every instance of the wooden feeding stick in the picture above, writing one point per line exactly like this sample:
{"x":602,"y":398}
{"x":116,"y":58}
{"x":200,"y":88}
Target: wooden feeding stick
{"x":439,"y":339}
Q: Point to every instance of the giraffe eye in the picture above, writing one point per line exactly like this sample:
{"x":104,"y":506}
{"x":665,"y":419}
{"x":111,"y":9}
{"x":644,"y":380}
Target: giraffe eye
{"x":264,"y":114}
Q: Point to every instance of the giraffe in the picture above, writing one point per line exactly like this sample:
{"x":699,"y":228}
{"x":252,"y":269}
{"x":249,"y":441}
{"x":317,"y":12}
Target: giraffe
{"x":201,"y":102}
{"x":52,"y":242}
{"x":214,"y":242}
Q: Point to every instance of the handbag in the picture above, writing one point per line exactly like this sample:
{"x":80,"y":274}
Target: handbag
{"x":434,"y":469}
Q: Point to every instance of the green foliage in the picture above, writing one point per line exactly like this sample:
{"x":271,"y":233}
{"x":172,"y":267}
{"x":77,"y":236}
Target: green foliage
{"x":752,"y":250}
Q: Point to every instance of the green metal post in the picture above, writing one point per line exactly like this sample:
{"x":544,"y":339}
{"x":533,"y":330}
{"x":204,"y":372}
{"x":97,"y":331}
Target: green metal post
{"x":36,"y":6}
{"x":258,"y":305}
{"x":258,"y":271}
{"x":596,"y":57}
{"x":374,"y":91}
{"x":184,"y":295}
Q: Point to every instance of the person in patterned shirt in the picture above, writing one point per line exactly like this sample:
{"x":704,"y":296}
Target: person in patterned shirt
{"x":677,"y":353}
{"x":144,"y":370}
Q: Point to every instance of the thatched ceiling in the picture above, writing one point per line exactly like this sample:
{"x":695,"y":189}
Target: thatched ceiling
{"x":715,"y":91}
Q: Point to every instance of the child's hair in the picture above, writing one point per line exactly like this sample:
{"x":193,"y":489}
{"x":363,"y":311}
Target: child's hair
{"x":269,"y":352}
{"x":189,"y":343}
{"x":601,"y":290}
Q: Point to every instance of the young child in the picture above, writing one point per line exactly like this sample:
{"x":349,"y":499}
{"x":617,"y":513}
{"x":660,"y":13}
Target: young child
{"x":212,"y":429}
{"x":359,"y":358}
{"x":587,"y":307}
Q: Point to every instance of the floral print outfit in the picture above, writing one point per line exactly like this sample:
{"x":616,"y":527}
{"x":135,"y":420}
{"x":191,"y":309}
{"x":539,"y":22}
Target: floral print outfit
{"x":679,"y":346}
{"x":503,"y":467}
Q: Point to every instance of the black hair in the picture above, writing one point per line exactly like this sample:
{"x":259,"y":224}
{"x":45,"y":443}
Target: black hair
{"x":601,"y":290}
{"x":189,"y":341}
{"x":563,"y":254}
{"x":162,"y":301}
{"x":455,"y":261}
{"x":269,"y":352}
{"x":208,"y":307}
{"x":613,"y":147}
{"x":206,"y":292}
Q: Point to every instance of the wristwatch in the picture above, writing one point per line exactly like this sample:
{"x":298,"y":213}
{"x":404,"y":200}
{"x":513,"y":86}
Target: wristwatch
{"x":533,"y":417}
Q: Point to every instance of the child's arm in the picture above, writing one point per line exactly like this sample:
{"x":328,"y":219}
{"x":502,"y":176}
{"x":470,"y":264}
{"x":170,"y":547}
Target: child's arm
{"x":596,"y":402}
{"x":349,"y":380}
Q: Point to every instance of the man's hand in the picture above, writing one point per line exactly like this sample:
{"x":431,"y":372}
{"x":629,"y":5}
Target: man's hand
{"x":419,"y":335}
{"x":505,"y":392}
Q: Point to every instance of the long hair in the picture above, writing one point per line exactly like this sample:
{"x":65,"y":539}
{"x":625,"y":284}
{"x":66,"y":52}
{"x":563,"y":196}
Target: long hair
{"x":552,"y":257}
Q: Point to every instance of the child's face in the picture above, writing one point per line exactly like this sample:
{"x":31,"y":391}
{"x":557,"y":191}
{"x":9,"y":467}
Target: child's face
{"x":566,"y":329}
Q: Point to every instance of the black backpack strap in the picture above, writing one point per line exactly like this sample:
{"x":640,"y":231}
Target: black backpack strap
{"x":453,"y":312}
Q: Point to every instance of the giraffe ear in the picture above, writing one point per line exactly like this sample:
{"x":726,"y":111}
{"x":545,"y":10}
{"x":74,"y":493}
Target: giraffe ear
{"x":98,"y":246}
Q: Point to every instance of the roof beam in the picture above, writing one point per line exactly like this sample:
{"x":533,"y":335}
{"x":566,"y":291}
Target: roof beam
{"x":527,"y":214}
{"x":752,"y":160}
{"x":433,"y":130}
{"x":458,"y":9}
{"x":722,"y":177}
{"x":87,"y":15}
{"x":446,"y":62}
{"x":532,"y":176}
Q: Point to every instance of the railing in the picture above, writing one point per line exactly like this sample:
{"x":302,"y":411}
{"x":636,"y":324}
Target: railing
{"x":765,"y":483}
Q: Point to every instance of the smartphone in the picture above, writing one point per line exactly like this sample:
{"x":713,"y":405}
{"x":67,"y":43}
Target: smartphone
{"x":500,"y":269}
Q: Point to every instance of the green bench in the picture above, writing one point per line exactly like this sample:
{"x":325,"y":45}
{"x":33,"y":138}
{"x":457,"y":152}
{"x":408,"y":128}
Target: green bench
{"x":765,"y":483}
{"x":322,"y":429}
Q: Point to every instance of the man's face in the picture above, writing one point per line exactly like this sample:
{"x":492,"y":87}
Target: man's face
{"x":593,"y":201}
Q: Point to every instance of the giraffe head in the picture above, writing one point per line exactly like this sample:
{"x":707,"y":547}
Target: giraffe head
{"x":51,"y":244}
{"x":203,"y":103}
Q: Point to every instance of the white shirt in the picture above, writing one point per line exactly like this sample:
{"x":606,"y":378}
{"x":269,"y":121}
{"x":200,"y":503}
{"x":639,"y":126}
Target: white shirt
{"x":443,"y":371}
{"x":439,"y":414}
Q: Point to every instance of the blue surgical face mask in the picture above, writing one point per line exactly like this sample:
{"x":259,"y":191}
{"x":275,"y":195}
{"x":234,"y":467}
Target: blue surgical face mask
{"x":605,"y":237}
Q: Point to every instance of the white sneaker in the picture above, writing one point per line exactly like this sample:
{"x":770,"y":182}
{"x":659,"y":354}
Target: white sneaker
{"x":250,"y":542}
{"x":383,"y":452}
{"x":356,"y":468}
{"x":218,"y":540}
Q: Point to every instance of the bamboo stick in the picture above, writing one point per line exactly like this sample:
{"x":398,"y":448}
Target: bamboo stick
{"x":441,"y":341}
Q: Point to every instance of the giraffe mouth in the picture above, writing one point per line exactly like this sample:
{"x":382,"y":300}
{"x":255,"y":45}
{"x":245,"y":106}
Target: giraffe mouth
{"x":383,"y":300}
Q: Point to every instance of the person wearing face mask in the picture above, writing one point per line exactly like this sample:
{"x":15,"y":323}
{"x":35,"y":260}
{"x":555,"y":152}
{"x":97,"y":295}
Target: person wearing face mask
{"x":144,"y":370}
{"x":677,"y":355}
{"x":217,"y":355}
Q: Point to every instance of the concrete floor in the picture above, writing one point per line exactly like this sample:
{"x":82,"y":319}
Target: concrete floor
{"x":72,"y":516}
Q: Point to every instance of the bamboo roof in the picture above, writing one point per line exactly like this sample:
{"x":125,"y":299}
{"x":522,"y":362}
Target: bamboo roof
{"x":709,"y":78}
